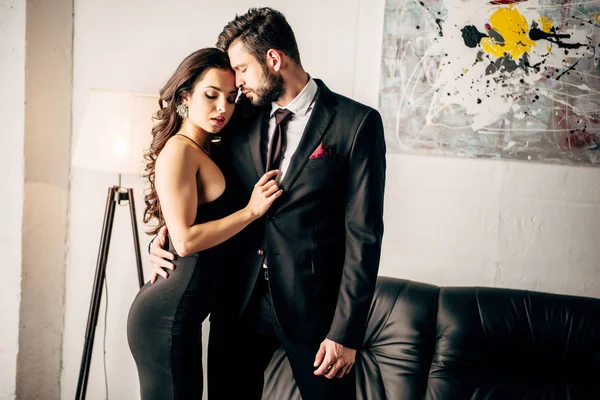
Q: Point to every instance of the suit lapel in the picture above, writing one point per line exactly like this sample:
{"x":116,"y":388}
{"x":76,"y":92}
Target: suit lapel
{"x":316,"y":127}
{"x":254,"y":141}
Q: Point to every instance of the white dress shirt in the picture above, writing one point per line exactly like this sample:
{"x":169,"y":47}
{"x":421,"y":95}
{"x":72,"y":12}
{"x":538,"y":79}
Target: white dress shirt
{"x":302,"y":107}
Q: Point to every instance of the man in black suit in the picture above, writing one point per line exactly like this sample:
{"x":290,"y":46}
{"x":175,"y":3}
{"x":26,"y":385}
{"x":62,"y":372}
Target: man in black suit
{"x":304,"y":275}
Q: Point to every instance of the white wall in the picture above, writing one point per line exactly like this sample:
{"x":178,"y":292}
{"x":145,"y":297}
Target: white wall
{"x":48,"y":93}
{"x":12,"y":132}
{"x":504,"y":224}
{"x":448,"y":221}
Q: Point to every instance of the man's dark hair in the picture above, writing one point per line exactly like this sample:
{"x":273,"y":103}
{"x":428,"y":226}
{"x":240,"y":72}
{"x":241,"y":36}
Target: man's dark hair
{"x":261,"y":29}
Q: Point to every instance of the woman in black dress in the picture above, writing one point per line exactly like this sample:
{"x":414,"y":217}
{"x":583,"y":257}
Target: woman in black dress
{"x":188,"y":194}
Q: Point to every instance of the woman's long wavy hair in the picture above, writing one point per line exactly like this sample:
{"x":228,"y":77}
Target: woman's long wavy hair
{"x":168,"y":122}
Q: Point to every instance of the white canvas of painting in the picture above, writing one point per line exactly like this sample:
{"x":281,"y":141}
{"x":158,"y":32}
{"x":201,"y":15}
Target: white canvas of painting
{"x":503,"y":79}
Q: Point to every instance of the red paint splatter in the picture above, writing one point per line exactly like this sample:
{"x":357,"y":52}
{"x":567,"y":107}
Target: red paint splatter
{"x":499,"y":2}
{"x":579,"y":139}
{"x":488,"y":27}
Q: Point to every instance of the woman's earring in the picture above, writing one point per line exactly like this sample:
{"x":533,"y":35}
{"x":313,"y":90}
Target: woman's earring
{"x":182,"y":110}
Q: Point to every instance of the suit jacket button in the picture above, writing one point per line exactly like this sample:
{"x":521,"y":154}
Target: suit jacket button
{"x":260,"y":252}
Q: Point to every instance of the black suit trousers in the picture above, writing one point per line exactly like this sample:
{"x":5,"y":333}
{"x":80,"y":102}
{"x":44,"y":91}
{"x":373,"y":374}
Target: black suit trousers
{"x":240,"y":350}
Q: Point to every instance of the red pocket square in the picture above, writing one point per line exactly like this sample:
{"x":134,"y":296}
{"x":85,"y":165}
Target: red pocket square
{"x":324,"y":150}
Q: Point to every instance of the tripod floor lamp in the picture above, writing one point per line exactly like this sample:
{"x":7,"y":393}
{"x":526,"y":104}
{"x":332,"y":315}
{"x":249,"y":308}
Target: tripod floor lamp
{"x":114,"y":134}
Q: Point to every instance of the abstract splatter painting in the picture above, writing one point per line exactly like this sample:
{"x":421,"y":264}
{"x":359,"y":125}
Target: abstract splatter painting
{"x":503,"y":79}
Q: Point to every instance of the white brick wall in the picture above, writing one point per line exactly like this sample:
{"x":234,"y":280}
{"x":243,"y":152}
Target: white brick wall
{"x":12,"y":133}
{"x":506,"y":224}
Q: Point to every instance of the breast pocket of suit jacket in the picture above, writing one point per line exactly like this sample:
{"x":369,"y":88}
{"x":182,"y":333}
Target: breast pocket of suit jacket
{"x":319,"y":173}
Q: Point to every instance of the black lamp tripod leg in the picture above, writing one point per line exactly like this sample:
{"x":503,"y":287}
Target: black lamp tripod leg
{"x":136,"y":238}
{"x":113,"y":197}
{"x":109,"y":215}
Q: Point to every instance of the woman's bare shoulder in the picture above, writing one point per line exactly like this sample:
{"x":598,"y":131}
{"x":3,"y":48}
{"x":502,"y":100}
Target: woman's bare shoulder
{"x":176,"y":153}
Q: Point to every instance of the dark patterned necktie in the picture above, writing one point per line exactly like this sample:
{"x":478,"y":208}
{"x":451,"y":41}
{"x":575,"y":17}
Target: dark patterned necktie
{"x":278,"y":141}
{"x":276,"y":149}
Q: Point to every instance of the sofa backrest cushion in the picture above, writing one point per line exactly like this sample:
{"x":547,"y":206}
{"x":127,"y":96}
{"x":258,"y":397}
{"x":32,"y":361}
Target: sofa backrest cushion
{"x":514,"y":344}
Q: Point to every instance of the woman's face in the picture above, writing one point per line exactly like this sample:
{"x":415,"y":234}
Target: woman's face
{"x":211,"y":104}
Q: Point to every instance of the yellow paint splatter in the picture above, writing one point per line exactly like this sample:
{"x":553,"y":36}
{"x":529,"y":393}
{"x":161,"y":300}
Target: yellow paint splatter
{"x":546,"y":27}
{"x":596,"y":17}
{"x":464,"y":70}
{"x":546,"y":24}
{"x":514,"y":29}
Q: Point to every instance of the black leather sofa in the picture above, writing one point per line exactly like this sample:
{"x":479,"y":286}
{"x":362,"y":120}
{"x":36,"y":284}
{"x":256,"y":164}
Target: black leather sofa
{"x":454,"y":343}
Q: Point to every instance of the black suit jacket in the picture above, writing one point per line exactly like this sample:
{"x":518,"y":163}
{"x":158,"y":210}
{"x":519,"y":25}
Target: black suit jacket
{"x":322,"y":237}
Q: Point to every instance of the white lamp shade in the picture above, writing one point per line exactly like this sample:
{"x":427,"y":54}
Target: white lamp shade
{"x":115,"y":132}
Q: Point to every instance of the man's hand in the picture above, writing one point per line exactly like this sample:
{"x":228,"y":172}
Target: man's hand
{"x":334,"y":360}
{"x":159,"y":256}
